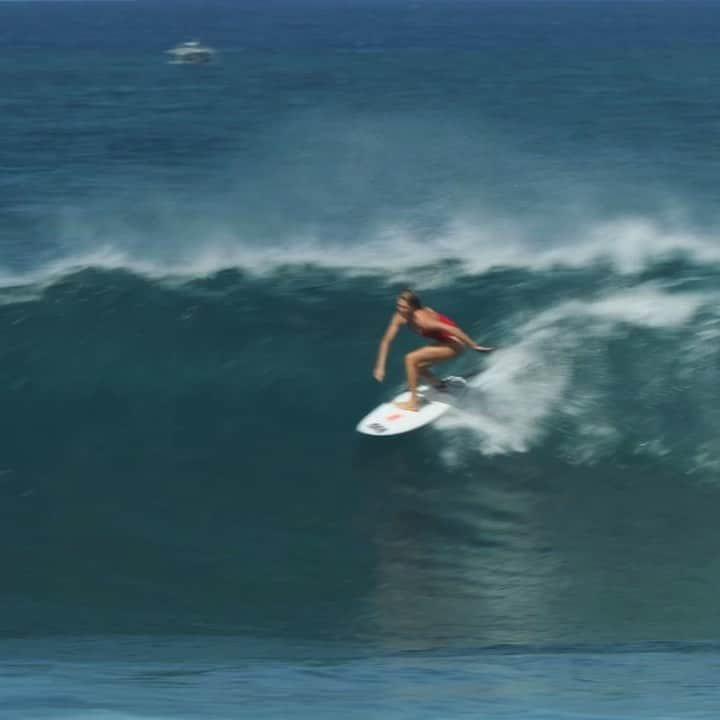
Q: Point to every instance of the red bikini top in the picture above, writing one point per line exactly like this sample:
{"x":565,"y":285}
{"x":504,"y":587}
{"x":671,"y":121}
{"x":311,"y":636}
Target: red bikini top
{"x":439,"y":334}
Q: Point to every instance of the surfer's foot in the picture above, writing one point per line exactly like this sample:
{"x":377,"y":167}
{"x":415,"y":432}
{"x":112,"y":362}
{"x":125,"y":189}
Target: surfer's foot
{"x":411,"y":405}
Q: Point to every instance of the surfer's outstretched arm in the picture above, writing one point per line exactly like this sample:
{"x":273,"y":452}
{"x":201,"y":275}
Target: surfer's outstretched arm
{"x":458,"y":333}
{"x":395,"y":322}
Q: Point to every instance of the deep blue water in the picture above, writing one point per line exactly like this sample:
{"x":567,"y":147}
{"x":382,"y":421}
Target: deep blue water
{"x":196,"y":265}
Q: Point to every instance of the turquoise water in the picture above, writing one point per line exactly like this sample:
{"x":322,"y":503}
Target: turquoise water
{"x":140,"y":678}
{"x":196,"y":265}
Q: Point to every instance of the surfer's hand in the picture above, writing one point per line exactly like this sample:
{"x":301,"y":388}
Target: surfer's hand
{"x":480,"y":348}
{"x":379,"y":374}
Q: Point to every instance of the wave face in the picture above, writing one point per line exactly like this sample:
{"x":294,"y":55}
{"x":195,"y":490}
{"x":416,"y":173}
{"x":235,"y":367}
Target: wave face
{"x":196,"y":265}
{"x":182,"y":456}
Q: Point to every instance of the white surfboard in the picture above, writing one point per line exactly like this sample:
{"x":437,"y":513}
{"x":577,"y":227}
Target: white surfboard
{"x":389,"y":419}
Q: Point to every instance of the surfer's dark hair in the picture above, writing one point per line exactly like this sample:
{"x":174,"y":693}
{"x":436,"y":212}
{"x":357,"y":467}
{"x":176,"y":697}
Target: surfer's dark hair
{"x":410,"y":298}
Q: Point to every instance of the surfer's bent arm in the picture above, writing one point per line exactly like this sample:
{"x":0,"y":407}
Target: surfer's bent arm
{"x":388,"y":337}
{"x":457,"y":333}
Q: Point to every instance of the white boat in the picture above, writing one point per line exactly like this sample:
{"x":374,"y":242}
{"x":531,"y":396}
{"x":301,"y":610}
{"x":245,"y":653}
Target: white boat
{"x":191,"y":53}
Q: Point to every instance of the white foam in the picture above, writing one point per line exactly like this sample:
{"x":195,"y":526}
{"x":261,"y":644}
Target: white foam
{"x":475,"y":245}
{"x":629,"y":246}
{"x":511,"y":400}
{"x":533,"y":382}
{"x":647,"y":305}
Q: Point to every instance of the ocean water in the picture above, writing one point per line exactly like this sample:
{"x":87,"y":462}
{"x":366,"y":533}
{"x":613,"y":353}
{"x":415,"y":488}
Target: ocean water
{"x":196,"y":265}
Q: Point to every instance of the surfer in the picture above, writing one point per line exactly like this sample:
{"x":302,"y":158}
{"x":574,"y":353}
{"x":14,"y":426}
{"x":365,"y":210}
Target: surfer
{"x":449,"y":343}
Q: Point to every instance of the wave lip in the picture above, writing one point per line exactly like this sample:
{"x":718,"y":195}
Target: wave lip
{"x":463,"y":247}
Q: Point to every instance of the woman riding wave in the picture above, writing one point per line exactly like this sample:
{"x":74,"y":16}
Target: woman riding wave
{"x":449,"y":343}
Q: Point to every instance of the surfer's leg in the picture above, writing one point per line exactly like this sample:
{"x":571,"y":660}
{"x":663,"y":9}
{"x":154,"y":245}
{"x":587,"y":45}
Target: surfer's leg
{"x":421,"y":359}
{"x":425,"y":374}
